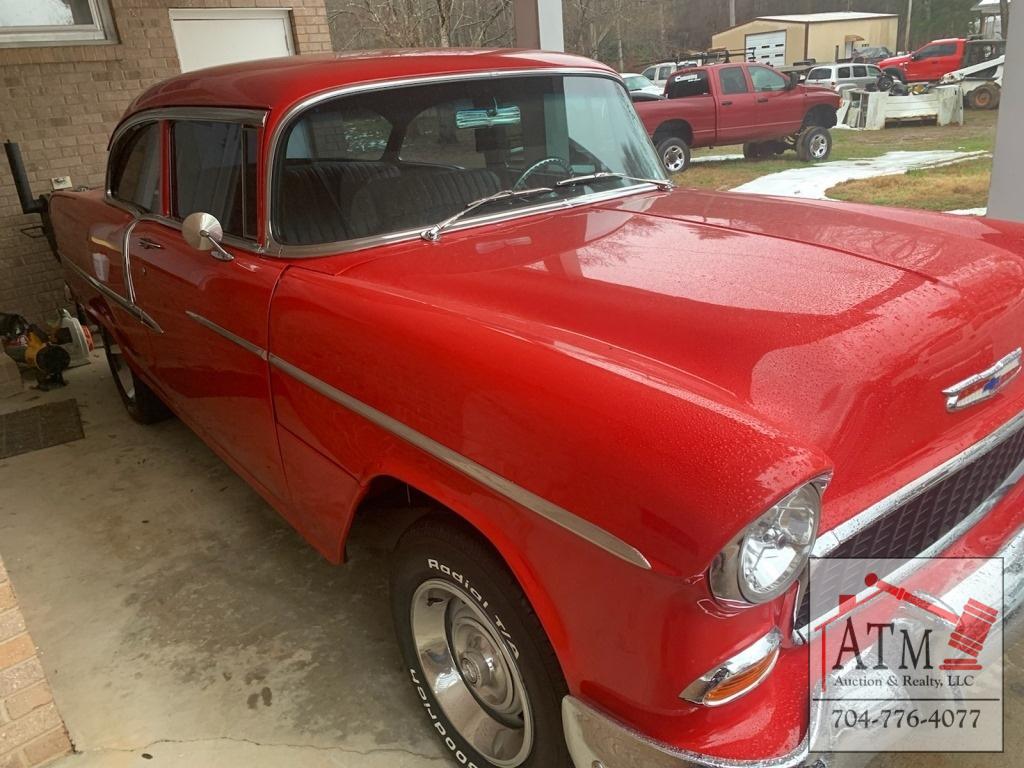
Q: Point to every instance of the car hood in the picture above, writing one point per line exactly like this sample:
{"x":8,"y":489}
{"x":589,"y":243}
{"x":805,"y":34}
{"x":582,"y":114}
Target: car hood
{"x":839,"y":325}
{"x":894,"y":61}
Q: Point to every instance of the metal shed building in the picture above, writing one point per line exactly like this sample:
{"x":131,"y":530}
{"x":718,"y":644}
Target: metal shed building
{"x":784,"y":40}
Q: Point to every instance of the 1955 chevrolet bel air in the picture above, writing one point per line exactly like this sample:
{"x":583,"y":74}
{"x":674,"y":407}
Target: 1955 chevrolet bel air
{"x":627,"y":415}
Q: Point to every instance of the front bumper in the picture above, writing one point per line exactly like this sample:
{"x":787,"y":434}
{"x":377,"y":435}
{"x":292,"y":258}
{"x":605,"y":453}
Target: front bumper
{"x":597,"y":741}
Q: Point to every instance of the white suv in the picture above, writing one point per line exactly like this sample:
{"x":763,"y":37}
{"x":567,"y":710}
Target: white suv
{"x":659,"y":73}
{"x":843,"y":77}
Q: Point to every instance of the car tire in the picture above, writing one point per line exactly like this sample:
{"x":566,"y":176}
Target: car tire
{"x":985,"y":96}
{"x":455,"y":603}
{"x":753,"y":150}
{"x":814,"y":145}
{"x":674,"y":154}
{"x":141,"y":402}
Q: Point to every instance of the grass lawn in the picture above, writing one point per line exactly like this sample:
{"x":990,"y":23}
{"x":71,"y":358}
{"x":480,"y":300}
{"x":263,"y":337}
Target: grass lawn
{"x":952,"y":187}
{"x":977,"y":133}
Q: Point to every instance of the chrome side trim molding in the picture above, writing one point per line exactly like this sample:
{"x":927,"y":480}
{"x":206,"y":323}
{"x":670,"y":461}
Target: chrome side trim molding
{"x":245,"y":344}
{"x":830,"y":540}
{"x":546,"y":509}
{"x":137,"y":312}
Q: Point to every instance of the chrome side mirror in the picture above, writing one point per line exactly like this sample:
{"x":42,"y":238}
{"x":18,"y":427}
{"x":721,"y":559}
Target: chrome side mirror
{"x":203,"y":232}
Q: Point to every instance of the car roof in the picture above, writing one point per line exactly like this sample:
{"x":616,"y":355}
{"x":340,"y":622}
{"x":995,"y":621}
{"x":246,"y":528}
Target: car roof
{"x":276,"y":84}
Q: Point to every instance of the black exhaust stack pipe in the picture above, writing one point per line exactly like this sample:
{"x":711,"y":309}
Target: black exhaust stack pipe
{"x":30,"y":204}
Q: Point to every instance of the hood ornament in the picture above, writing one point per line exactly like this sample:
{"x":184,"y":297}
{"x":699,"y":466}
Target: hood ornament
{"x":982,"y":386}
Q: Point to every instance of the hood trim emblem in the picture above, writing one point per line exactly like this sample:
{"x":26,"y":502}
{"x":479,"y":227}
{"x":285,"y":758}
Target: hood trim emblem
{"x":984,"y":385}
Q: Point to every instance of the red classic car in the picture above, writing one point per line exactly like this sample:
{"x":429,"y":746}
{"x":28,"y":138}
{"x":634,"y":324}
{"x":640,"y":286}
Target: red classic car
{"x":614,"y":408}
{"x":748,"y":104}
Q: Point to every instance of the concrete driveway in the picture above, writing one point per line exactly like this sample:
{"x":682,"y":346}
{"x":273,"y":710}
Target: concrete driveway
{"x":179,"y":617}
{"x":182,"y":623}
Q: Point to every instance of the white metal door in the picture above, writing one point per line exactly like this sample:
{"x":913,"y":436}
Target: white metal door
{"x":768,"y":47}
{"x":206,"y":37}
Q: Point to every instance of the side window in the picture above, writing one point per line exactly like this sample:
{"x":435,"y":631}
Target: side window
{"x":215,"y":172}
{"x":860,"y":71}
{"x":649,"y":73}
{"x":732,"y":80}
{"x":765,"y":79}
{"x":874,"y":71}
{"x":135,"y":168}
{"x":664,"y":72}
{"x":821,"y":73}
{"x":844,"y":72}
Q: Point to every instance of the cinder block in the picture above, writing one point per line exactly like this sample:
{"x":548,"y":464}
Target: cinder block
{"x":10,"y":377}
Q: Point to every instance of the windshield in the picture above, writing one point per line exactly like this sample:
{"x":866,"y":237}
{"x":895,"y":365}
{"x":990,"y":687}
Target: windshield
{"x":402,"y":159}
{"x":636,"y":82}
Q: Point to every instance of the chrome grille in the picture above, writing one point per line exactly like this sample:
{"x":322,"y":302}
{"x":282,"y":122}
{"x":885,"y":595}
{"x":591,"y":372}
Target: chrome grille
{"x":920,"y":522}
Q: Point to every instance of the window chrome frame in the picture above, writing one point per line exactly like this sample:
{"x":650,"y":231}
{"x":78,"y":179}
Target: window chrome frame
{"x":251,"y":118}
{"x":272,"y":247}
{"x":102,"y":31}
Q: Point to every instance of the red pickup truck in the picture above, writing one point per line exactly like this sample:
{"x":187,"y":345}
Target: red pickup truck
{"x":939,"y":57}
{"x":610,"y":409}
{"x":749,"y":104}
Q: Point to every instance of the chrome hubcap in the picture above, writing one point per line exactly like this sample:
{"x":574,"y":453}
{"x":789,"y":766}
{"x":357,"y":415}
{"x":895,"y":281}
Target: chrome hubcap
{"x":122,"y":371}
{"x":471,"y":673}
{"x":674,"y":158}
{"x":819,"y":146}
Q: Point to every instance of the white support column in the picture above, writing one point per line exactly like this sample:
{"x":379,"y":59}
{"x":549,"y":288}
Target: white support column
{"x":1005,"y":200}
{"x":539,"y":24}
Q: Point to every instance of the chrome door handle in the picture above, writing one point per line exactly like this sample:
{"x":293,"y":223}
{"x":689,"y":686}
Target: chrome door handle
{"x":148,"y":244}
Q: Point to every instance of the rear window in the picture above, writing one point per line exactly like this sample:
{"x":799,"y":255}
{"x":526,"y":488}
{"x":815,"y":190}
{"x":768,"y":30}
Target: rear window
{"x":688,"y":84}
{"x":821,"y":73}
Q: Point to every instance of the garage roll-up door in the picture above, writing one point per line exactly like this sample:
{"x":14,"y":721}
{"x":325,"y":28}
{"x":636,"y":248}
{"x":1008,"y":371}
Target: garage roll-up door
{"x":206,"y":37}
{"x":768,"y":47}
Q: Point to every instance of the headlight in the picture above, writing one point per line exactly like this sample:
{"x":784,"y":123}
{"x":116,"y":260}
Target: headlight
{"x":767,"y":556}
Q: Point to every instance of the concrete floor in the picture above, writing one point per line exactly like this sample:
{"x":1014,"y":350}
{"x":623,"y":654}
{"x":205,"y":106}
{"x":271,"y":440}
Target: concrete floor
{"x":182,"y":623}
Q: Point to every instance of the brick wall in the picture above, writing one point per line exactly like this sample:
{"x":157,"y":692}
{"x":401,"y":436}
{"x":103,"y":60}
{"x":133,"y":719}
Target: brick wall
{"x":31,"y":731}
{"x":61,"y":102}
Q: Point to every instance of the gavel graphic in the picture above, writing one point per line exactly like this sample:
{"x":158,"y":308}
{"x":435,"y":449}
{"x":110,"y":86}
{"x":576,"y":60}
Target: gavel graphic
{"x":970,"y":629}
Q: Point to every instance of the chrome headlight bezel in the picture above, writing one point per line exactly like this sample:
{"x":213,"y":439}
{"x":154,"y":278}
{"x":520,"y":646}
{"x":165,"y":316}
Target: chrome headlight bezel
{"x":726,"y":576}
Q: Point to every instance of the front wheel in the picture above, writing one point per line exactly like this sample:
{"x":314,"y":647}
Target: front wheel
{"x":814,"y":145}
{"x":674,"y":154}
{"x":985,"y":96}
{"x":476,"y":655}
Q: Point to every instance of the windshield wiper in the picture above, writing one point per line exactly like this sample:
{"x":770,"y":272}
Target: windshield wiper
{"x":662,"y":184}
{"x":433,"y":234}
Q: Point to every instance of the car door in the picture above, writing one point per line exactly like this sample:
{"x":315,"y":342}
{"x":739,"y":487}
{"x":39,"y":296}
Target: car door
{"x":737,"y":107}
{"x":134,"y":185}
{"x":779,"y":107}
{"x":211,"y":358}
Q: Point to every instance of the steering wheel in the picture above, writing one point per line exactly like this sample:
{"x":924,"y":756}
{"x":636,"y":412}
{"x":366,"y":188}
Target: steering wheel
{"x":563,"y":164}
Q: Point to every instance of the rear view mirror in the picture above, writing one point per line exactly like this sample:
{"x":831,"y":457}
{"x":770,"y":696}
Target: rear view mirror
{"x":487,"y":118}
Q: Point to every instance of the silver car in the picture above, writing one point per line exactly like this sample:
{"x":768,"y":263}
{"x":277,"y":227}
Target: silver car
{"x":843,"y":77}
